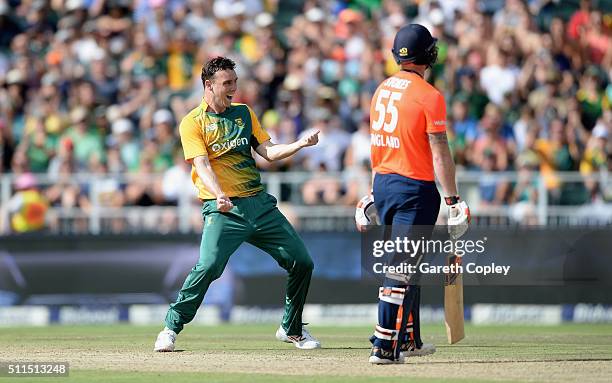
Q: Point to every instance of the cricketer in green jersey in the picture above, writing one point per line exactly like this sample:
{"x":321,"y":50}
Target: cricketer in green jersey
{"x":217,"y":137}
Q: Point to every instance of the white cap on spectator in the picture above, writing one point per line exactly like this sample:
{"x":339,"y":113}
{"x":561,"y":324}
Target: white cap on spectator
{"x":315,"y":15}
{"x":436,"y":16}
{"x":63,"y":35}
{"x":397,"y":20}
{"x":14,"y":76}
{"x":326,"y":92}
{"x":600,"y":130}
{"x":113,"y":113}
{"x":238,"y":8}
{"x":50,"y":78}
{"x":162,"y":116}
{"x":264,"y":20}
{"x":78,"y":114}
{"x":98,"y":54}
{"x":73,"y":5}
{"x":292,"y":82}
{"x":224,"y":9}
{"x":122,"y":125}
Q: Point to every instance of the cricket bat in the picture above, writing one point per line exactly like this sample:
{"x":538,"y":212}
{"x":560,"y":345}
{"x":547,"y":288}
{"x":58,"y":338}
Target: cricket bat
{"x":453,"y":303}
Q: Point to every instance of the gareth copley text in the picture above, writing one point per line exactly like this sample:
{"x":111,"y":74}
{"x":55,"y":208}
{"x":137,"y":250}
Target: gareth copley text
{"x":426,"y":268}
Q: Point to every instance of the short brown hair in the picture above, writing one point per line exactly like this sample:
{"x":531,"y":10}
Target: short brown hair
{"x":215,"y":65}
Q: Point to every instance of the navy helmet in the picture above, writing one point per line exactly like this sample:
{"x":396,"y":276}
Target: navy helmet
{"x":413,"y":43}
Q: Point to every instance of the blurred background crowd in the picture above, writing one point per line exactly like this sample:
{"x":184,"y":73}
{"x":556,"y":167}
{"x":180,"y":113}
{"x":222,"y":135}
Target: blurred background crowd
{"x":99,"y":86}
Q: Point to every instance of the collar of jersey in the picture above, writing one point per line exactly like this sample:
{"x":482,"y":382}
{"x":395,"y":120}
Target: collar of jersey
{"x":410,"y":71}
{"x":205,"y":106}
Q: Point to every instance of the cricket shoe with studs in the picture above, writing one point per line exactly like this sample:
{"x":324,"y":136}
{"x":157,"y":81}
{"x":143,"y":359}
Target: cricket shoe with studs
{"x":409,"y":349}
{"x":165,"y":341}
{"x":381,"y":356}
{"x":305,"y":342}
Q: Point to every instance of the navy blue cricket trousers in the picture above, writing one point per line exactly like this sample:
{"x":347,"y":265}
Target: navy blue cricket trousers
{"x":404,"y":202}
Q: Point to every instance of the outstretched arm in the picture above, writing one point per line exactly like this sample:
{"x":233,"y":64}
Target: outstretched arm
{"x":275,"y":152}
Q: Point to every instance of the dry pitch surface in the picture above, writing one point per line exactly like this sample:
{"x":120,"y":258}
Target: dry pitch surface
{"x":568,"y":353}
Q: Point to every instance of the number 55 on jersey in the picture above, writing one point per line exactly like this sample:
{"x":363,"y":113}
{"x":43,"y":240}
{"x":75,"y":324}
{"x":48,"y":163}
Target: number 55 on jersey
{"x":403,"y":113}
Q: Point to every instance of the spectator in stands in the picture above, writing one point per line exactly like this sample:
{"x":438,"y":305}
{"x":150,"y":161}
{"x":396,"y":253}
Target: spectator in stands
{"x":281,"y":131}
{"x":468,"y":89}
{"x":106,"y":78}
{"x":463,"y":127}
{"x":490,"y":139}
{"x":525,"y":193}
{"x":358,"y":171}
{"x":38,"y":149}
{"x":129,"y":148}
{"x":28,"y":207}
{"x":493,"y":190}
{"x":525,"y":122}
{"x":559,"y":152}
{"x":87,"y":142}
{"x":163,"y":130}
{"x":6,"y":147}
{"x":499,"y":77}
{"x":321,"y":188}
{"x":591,"y":98}
{"x":595,"y":158}
{"x":13,"y":100}
{"x":333,"y":142}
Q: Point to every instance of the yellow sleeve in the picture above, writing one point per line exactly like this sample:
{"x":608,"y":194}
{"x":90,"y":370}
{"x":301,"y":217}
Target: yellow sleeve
{"x":192,"y":138}
{"x":259,"y":134}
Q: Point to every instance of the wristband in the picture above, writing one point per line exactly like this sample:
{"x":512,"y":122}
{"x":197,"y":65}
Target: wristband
{"x":452,"y":200}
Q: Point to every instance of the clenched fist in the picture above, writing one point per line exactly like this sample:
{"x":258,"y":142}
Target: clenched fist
{"x":224,"y":204}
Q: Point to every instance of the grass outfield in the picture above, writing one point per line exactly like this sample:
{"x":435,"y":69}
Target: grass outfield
{"x":567,"y":353}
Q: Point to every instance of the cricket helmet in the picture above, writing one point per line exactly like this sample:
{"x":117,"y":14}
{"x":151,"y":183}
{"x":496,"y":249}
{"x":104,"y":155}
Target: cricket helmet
{"x":413,"y":43}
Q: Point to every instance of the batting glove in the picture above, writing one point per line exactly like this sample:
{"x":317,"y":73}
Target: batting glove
{"x":458,"y":216}
{"x":365,"y":213}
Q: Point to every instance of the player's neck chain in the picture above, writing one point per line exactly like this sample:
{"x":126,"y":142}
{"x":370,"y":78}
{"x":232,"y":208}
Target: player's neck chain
{"x":413,"y":71}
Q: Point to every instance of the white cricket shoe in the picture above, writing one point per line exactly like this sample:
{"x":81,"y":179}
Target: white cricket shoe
{"x":426,"y":349}
{"x":165,"y":341}
{"x":304,"y":342}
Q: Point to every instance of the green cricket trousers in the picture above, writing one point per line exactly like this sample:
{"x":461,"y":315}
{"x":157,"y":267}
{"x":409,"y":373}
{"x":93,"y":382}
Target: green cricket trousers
{"x":255,"y":220}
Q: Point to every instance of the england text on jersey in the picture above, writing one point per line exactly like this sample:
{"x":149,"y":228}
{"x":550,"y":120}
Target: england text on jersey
{"x":404,"y":110}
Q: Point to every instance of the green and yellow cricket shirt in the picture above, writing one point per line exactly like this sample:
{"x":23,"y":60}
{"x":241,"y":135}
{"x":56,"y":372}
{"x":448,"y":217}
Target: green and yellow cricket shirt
{"x":226,"y":139}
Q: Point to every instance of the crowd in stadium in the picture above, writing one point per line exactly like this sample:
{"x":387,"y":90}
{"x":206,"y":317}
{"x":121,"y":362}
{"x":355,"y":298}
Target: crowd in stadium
{"x":99,"y":86}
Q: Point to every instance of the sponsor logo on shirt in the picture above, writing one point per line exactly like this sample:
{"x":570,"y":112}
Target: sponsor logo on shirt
{"x":440,"y":123}
{"x":231,"y":144}
{"x":211,"y":127}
